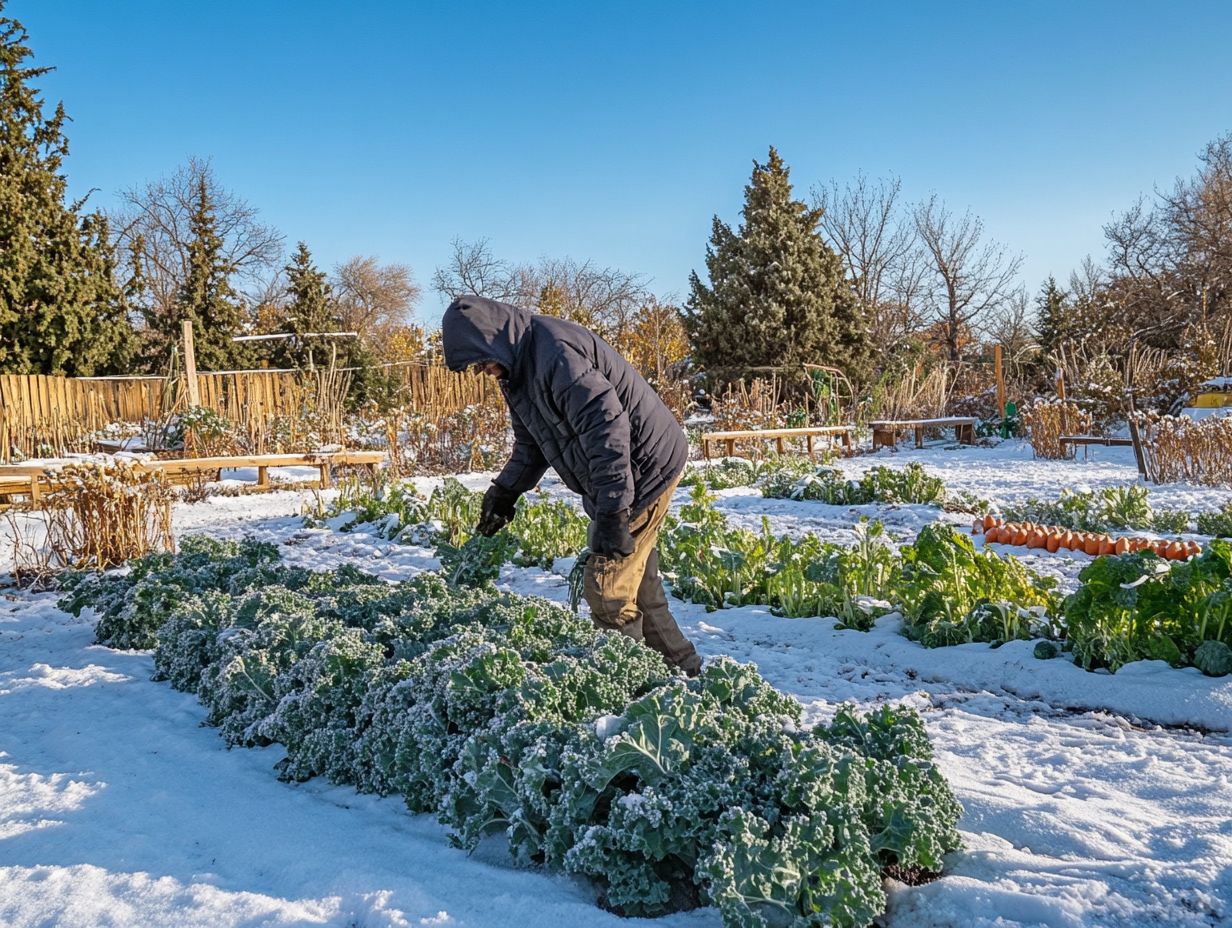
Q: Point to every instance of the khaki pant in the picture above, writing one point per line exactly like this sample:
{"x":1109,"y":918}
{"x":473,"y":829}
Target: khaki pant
{"x":626,"y":593}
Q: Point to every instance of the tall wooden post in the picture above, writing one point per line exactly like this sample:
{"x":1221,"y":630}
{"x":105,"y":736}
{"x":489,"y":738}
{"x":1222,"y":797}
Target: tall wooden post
{"x":190,"y":365}
{"x":996,"y":360}
{"x":1061,"y":396}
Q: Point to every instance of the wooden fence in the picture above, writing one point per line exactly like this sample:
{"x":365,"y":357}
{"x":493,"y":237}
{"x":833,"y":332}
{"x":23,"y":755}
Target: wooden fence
{"x":47,"y":415}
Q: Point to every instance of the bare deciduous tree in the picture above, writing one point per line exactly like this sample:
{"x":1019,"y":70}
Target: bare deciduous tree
{"x":968,"y":278}
{"x":153,"y":222}
{"x":1010,"y":325}
{"x":862,"y":222}
{"x":374,"y":299}
{"x":603,"y":298}
{"x":1087,"y":282}
{"x":1171,"y":261}
{"x":473,"y":269}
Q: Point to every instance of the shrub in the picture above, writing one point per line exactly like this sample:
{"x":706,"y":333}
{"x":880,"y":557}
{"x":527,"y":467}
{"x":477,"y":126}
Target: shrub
{"x":1181,"y":449}
{"x":1047,"y":420}
{"x":103,"y":515}
{"x":509,"y":715}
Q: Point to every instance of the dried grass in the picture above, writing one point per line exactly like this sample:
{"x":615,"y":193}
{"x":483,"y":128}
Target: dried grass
{"x":754,"y":405}
{"x":32,"y":564}
{"x":915,"y":394}
{"x":1047,"y":420}
{"x":103,"y":515}
{"x":1178,"y":448}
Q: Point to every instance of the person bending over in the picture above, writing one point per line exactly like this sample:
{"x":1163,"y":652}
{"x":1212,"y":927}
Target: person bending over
{"x":578,"y":406}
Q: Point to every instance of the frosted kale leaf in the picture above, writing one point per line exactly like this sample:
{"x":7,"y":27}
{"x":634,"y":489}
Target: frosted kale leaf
{"x":318,"y":699}
{"x":804,"y":873}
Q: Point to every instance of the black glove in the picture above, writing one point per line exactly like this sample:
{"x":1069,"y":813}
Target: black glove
{"x":497,"y":512}
{"x":611,"y":535}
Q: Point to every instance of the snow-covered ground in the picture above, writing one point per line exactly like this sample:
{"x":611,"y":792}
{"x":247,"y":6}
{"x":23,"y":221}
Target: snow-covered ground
{"x":1091,"y":800}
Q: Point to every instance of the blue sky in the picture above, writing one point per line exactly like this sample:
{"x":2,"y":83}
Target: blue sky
{"x":615,"y":131}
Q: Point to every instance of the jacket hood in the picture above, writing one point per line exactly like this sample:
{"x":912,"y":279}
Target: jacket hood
{"x":474,"y":330}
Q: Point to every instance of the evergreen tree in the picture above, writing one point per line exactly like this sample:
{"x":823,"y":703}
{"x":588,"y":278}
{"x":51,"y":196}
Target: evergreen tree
{"x":1055,"y":324}
{"x":777,"y":295}
{"x":61,"y":310}
{"x":207,"y":298}
{"x":311,"y":310}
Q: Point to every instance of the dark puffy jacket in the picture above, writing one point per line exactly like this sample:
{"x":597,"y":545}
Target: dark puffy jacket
{"x":575,"y":404}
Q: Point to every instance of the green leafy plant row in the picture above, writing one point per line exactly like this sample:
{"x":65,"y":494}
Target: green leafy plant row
{"x":880,"y":484}
{"x":1217,"y":523}
{"x":1103,"y":510}
{"x":948,"y":592}
{"x":718,"y":565}
{"x":736,"y":472}
{"x":507,"y":715}
{"x":1141,"y":607}
{"x":543,"y":530}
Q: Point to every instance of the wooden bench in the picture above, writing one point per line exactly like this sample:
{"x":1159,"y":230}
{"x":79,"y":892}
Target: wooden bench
{"x":35,"y":480}
{"x":1085,"y":441}
{"x":1095,"y":440}
{"x":886,"y":431}
{"x":729,"y":439}
{"x":24,"y":480}
{"x":324,"y":462}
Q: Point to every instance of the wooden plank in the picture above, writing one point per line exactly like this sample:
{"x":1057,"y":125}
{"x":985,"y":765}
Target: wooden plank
{"x":942,"y":422}
{"x":190,"y":364}
{"x":1000,"y":375}
{"x":743,"y":434}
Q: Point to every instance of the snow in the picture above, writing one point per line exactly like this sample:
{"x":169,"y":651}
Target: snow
{"x":1091,"y":799}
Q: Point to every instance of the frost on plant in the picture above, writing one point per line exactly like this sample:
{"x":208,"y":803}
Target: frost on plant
{"x":507,"y":715}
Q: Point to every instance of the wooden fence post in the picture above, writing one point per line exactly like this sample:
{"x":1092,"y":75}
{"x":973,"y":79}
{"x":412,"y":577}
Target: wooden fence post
{"x":190,"y":364}
{"x":996,"y":358}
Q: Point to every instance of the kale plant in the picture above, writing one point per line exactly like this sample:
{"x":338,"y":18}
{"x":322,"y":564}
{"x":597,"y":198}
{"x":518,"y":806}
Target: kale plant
{"x":506,"y":715}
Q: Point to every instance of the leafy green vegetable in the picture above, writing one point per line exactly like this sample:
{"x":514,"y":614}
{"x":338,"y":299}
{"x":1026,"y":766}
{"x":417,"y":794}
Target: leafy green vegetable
{"x":1217,"y":523}
{"x":509,"y":715}
{"x":880,"y":484}
{"x":546,"y":530}
{"x":953,"y":594}
{"x":1141,"y":607}
{"x":1213,"y":658}
{"x":1103,"y":510}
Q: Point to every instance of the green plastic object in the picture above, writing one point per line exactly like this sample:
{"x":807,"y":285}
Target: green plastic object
{"x":1011,"y":413}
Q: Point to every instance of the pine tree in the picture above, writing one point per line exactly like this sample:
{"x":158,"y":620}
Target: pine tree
{"x":61,"y":310}
{"x":207,"y":298}
{"x":777,"y":296}
{"x":1055,"y":324}
{"x":311,"y":310}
